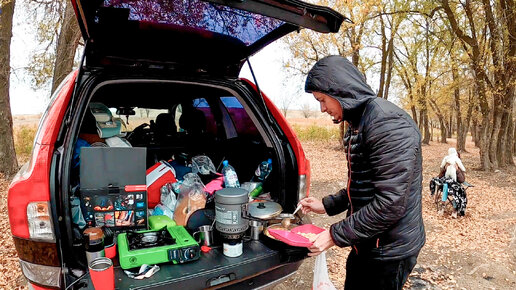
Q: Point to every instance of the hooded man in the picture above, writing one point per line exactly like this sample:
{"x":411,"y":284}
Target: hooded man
{"x":384,"y":223}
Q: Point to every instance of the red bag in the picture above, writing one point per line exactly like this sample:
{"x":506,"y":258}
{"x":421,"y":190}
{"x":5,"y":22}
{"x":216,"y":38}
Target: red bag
{"x":157,"y":176}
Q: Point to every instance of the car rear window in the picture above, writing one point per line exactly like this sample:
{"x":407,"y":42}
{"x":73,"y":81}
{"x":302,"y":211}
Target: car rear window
{"x":241,"y":120}
{"x":246,"y":26}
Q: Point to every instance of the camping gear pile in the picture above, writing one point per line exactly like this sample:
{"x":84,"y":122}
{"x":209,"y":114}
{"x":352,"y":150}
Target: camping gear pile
{"x":171,"y":212}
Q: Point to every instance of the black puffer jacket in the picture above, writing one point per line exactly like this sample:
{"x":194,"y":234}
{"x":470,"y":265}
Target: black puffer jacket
{"x":383,"y":148}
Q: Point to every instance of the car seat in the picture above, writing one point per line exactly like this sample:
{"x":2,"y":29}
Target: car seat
{"x":165,"y":127}
{"x":193,"y":122}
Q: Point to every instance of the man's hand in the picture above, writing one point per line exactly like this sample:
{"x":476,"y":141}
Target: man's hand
{"x":312,"y":204}
{"x":322,"y":242}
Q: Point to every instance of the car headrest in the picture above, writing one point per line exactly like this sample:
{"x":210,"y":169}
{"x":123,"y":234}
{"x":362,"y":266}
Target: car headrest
{"x":165,"y":124}
{"x":107,"y":125}
{"x":193,"y":121}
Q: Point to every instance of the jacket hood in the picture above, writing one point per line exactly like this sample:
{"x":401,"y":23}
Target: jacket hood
{"x":339,"y":78}
{"x":452,"y":152}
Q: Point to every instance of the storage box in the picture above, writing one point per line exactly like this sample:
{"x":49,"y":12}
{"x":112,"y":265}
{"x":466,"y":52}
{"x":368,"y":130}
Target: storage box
{"x":158,"y":175}
{"x":113,"y":190}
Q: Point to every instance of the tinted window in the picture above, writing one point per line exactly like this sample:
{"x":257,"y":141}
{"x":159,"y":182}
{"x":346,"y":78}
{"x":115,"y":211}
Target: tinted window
{"x":243,"y":123}
{"x":203,"y":106}
{"x":246,"y":26}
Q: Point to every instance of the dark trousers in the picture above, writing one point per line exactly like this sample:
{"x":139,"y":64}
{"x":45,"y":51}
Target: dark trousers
{"x":365,"y":273}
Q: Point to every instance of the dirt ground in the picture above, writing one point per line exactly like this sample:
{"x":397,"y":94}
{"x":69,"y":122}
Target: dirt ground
{"x":477,"y":251}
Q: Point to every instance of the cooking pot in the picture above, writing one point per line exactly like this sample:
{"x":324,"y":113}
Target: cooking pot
{"x":265,"y":210}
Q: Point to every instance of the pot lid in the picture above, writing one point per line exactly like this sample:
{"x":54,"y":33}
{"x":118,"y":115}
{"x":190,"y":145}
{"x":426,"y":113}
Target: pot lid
{"x":264,"y":210}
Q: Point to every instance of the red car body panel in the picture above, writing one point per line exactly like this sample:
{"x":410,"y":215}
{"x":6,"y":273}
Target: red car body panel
{"x":33,"y":183}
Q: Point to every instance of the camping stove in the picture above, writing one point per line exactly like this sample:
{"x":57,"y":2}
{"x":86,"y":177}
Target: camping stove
{"x":170,"y":244}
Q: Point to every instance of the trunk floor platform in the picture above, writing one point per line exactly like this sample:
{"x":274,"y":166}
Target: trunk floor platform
{"x":211,"y":268}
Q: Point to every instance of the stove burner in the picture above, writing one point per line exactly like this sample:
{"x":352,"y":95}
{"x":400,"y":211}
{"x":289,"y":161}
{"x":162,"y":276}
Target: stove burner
{"x":149,"y":239}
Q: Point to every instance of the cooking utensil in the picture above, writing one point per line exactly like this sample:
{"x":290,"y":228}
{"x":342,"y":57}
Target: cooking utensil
{"x":285,"y":222}
{"x":297,"y":208}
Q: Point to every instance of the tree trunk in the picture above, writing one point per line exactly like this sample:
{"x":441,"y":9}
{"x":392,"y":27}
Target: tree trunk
{"x":474,"y":132}
{"x":442,"y":120}
{"x":513,"y":136}
{"x":431,"y":131}
{"x":493,"y":134}
{"x":414,"y":113}
{"x":509,"y":143}
{"x":443,"y":132}
{"x":390,"y":61}
{"x":502,"y":140}
{"x":383,"y":62}
{"x":450,"y":126}
{"x":506,"y":141}
{"x":421,"y":123}
{"x":8,"y":164}
{"x":462,"y":130}
{"x":426,"y":136}
{"x":67,"y":43}
{"x":484,"y":144}
{"x":461,"y":137}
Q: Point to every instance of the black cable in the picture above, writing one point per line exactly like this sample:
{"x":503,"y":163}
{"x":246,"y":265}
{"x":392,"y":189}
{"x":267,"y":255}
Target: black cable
{"x":78,"y":279}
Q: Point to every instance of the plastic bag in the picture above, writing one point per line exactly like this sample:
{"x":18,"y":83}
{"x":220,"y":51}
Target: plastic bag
{"x":168,"y":197}
{"x":321,"y":279}
{"x":202,"y":164}
{"x":191,"y":198}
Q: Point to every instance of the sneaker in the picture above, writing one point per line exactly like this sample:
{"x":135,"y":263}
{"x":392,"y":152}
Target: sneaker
{"x":454,"y":215}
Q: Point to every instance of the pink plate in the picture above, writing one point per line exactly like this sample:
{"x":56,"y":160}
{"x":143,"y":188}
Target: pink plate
{"x":292,"y":238}
{"x":307,"y":229}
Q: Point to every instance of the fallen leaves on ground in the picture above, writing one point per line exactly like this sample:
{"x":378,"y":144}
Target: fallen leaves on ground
{"x":456,"y":249}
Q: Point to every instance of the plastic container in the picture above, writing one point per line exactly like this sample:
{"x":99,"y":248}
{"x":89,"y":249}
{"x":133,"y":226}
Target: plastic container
{"x":230,"y":175}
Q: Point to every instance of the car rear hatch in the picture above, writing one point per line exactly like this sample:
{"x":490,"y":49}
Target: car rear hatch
{"x":209,"y":35}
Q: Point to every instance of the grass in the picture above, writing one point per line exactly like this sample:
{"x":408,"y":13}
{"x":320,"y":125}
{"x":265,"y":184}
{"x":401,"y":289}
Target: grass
{"x":314,"y":132}
{"x":24,"y":140}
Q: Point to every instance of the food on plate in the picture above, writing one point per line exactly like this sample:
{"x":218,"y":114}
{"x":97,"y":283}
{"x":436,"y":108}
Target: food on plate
{"x":309,"y":236}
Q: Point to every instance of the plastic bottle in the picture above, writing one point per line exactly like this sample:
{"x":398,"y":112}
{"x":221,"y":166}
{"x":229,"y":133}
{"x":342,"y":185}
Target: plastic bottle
{"x":230,"y":176}
{"x":263,"y":170}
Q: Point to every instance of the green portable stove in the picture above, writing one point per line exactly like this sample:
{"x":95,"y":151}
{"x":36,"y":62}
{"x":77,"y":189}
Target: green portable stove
{"x":169,"y":244}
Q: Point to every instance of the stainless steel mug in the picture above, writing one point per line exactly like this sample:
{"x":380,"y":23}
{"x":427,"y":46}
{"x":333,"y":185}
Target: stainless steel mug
{"x":205,"y":235}
{"x":255,"y":228}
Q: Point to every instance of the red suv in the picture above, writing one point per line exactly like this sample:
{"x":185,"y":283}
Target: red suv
{"x":161,"y":59}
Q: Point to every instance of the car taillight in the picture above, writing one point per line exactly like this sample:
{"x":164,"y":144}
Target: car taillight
{"x":302,"y":193}
{"x":39,"y":261}
{"x":40,"y":222}
{"x":41,"y":275}
{"x":304,"y":182}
